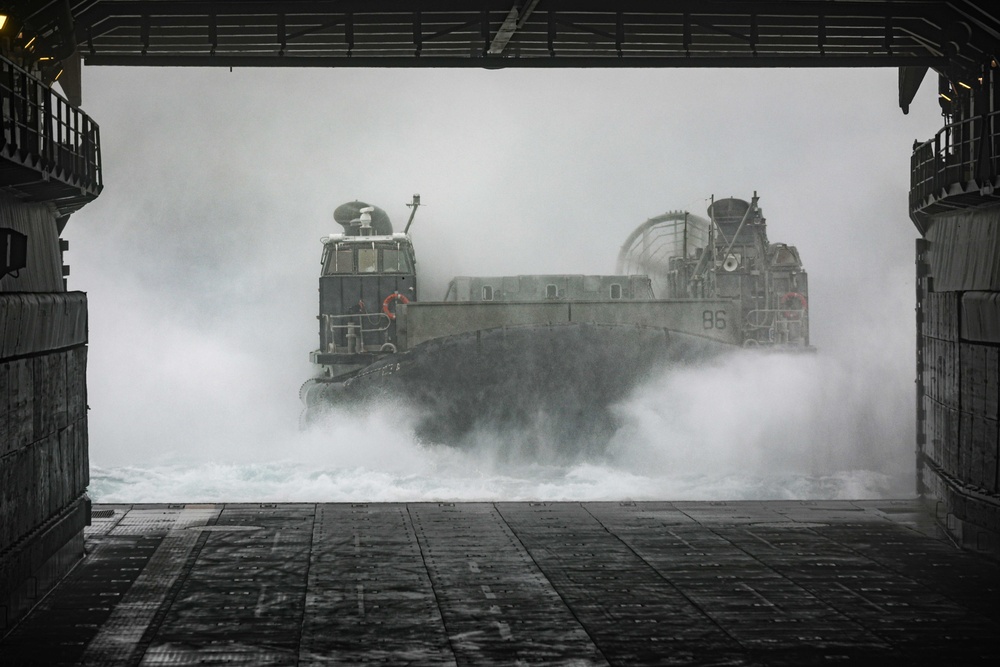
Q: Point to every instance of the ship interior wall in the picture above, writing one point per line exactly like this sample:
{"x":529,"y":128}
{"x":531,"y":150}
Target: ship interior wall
{"x":44,"y":468}
{"x":958,"y":373}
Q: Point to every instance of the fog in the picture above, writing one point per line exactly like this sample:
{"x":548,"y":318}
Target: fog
{"x":201,"y":259}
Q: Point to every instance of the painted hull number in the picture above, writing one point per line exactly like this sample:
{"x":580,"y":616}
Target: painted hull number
{"x":713,"y":319}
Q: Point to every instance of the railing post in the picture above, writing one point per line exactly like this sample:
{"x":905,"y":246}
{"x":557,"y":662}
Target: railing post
{"x":938,"y":162}
{"x":20,"y":113}
{"x":55,"y":133}
{"x":84,"y":141}
{"x":967,"y":138}
{"x":6,"y":100}
{"x":43,"y":116}
{"x":96,"y":178}
{"x":995,"y":153}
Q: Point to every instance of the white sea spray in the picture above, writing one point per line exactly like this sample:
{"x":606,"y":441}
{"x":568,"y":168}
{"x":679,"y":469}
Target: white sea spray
{"x":743,"y":426}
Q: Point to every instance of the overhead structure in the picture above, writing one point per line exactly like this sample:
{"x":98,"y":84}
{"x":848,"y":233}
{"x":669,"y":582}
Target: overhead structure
{"x":507,"y":33}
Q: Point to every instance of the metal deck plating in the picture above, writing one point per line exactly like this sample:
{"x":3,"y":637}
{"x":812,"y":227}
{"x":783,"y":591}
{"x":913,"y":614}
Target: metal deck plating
{"x":738,"y":583}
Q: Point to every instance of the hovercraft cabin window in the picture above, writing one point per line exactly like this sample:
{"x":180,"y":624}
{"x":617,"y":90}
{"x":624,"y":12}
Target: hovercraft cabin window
{"x":395,"y":260}
{"x":367,"y":260}
{"x":339,"y":261}
{"x":487,"y":292}
{"x":616,"y":291}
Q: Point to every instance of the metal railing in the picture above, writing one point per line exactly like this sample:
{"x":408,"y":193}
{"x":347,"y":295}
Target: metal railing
{"x":965,"y":153}
{"x":356,"y":334}
{"x":42,"y":131}
{"x":779,"y":326}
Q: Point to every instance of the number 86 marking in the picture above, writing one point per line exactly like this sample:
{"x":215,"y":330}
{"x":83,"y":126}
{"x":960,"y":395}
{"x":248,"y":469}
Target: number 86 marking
{"x":713,"y":320}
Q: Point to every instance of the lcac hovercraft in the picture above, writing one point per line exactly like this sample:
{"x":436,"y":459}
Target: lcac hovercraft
{"x":548,"y":354}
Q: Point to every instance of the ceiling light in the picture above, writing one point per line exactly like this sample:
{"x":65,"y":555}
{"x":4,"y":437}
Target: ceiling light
{"x":944,"y":97}
{"x":965,"y":85}
{"x":3,"y":21}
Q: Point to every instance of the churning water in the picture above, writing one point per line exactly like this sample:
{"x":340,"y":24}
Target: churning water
{"x":743,"y":426}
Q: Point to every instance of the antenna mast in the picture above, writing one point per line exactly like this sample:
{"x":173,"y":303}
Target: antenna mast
{"x":413,"y":206}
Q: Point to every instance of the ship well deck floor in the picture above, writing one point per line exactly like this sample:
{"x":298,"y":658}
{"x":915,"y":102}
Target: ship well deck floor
{"x":737,"y":583}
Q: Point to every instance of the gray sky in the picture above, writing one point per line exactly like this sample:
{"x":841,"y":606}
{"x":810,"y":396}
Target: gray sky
{"x":201,"y":255}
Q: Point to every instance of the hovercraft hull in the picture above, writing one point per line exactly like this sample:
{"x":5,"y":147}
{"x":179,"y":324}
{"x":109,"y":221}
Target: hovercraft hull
{"x":559,"y":382}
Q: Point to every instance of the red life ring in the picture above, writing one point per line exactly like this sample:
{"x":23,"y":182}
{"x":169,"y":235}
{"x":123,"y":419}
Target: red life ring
{"x":389,"y":299}
{"x":785,"y":303}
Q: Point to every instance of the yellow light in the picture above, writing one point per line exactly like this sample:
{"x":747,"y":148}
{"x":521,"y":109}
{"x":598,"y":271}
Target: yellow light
{"x":965,"y":85}
{"x":30,"y":42}
{"x":945,"y":97}
{"x":44,"y":58}
{"x":57,"y":76}
{"x":3,"y":21}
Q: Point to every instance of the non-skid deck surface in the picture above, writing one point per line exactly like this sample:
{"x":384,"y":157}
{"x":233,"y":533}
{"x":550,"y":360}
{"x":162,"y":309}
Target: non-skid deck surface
{"x":659,"y":583}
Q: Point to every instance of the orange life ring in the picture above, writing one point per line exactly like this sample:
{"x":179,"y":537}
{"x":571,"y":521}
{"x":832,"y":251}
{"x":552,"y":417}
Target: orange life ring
{"x":389,"y":299}
{"x":793,"y":314}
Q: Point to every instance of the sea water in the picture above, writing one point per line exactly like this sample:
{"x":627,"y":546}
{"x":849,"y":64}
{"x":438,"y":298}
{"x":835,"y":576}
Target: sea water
{"x":751,"y":426}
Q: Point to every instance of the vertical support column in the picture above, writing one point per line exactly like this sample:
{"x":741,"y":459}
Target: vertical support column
{"x":958,"y":373}
{"x":44,"y":467}
{"x":921,"y":294}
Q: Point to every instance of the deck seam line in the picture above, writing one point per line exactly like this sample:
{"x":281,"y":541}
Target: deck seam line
{"x":430,"y":580}
{"x":939,"y":533}
{"x":881,"y":562}
{"x":305,"y":581}
{"x":569,"y":608}
{"x":864,"y":629}
{"x":673,"y":585}
{"x":895,"y":644}
{"x":120,"y":516}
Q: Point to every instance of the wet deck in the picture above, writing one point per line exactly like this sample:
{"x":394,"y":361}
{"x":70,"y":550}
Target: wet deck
{"x":745,"y":583}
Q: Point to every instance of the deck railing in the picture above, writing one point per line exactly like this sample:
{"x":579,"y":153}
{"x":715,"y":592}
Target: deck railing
{"x":963,"y":158}
{"x":44,"y":133}
{"x":776,"y":326}
{"x":355,"y":333}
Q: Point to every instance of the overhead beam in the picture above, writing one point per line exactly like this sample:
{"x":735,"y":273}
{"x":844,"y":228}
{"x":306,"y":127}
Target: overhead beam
{"x":495,"y":62}
{"x":556,"y":33}
{"x":514,"y":21}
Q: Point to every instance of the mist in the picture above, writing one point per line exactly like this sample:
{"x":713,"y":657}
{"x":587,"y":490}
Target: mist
{"x":201,"y":260}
